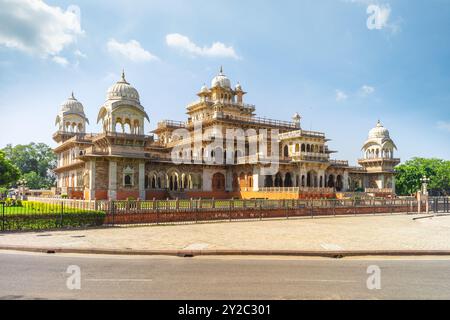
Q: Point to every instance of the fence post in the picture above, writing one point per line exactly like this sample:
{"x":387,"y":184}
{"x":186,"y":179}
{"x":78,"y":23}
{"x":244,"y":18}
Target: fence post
{"x":111,"y":210}
{"x":61,"y":215}
{"x":3,"y":216}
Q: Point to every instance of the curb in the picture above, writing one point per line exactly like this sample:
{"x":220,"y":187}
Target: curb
{"x":194,"y":253}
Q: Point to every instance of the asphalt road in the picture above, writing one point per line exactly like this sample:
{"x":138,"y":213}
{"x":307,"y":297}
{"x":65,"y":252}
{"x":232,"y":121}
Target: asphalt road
{"x":43,"y":276}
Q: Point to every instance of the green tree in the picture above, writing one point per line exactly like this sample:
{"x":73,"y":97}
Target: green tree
{"x":36,"y":158}
{"x":408,"y":175}
{"x":9,"y":173}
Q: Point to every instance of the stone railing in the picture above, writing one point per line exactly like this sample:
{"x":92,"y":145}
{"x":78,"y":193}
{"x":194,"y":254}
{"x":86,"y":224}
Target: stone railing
{"x":376,"y":190}
{"x":297,"y":190}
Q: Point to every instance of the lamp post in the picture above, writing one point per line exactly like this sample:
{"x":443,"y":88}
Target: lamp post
{"x":425,"y":180}
{"x":22,"y":183}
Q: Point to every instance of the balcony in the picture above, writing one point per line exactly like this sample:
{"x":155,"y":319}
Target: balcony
{"x":339,"y":163}
{"x":301,"y":133}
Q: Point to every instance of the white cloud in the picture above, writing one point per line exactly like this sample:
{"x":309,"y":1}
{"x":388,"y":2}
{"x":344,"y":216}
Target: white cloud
{"x":132,"y":50}
{"x":61,"y":61}
{"x":217,"y":49}
{"x":340,"y":95}
{"x":80,"y":54}
{"x":443,"y":125}
{"x":378,"y":16}
{"x":35,"y":27}
{"x":367,"y":90}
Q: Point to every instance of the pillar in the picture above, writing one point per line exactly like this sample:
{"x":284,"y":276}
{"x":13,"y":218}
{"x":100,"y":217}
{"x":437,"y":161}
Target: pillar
{"x":91,"y":168}
{"x":142,"y":181}
{"x":346,"y":187}
{"x":229,"y":180}
{"x":112,"y":181}
{"x":258,"y":180}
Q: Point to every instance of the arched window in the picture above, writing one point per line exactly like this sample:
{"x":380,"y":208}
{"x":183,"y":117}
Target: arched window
{"x":286,"y":151}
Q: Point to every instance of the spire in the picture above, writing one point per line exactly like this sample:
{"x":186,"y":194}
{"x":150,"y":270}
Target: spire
{"x":221,"y":70}
{"x":379,"y":123}
{"x":123,"y":76}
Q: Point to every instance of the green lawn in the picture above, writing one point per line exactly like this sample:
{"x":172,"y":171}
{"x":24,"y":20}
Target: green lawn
{"x":40,"y":216}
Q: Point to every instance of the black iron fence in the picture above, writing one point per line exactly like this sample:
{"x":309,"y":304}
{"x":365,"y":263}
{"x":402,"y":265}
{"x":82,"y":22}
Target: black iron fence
{"x":31,"y":215}
{"x":203,"y":210}
{"x":439,"y":204}
{"x":42,"y":214}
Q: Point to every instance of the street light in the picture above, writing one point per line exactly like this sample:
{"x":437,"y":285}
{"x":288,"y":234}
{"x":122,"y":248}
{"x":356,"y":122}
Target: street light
{"x":22,"y":183}
{"x":425,"y":182}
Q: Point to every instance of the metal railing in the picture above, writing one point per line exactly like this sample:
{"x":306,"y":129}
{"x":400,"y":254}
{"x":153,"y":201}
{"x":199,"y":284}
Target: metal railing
{"x":61,"y":214}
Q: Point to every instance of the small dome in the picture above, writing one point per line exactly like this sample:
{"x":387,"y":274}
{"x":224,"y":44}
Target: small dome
{"x":238,"y":87}
{"x":204,"y":89}
{"x":72,"y":105}
{"x":379,"y":132}
{"x":122,"y":90}
{"x":296,"y":116}
{"x":221,"y":80}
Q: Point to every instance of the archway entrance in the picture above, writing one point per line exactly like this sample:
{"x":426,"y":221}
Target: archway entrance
{"x":218,"y":182}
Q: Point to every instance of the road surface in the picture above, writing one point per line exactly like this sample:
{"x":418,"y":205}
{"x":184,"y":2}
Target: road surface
{"x":44,"y":276}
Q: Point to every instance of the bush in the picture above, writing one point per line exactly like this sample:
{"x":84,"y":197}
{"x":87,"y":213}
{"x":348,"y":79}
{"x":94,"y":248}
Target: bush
{"x":64,"y":196}
{"x":131,"y":199}
{"x":19,"y":203}
{"x":9,"y":202}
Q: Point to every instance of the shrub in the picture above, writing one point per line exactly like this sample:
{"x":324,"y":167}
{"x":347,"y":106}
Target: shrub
{"x":9,"y":202}
{"x":64,"y":196}
{"x":19,"y":203}
{"x":131,"y":199}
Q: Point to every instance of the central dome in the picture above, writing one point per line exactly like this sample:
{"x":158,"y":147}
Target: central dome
{"x":123,"y":90}
{"x":221,"y":80}
{"x":379,"y":132}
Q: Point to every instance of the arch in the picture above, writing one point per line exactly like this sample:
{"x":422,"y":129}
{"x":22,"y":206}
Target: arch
{"x":321,"y":182}
{"x":286,"y":151}
{"x":297,"y":148}
{"x":278,"y":180}
{"x":303,"y":181}
{"x":235,"y":182}
{"x":242,"y":180}
{"x":249,"y":180}
{"x":218,"y":182}
{"x":331,"y":182}
{"x":303,"y":147}
{"x":288,"y":180}
{"x":268,"y":181}
{"x":339,"y":183}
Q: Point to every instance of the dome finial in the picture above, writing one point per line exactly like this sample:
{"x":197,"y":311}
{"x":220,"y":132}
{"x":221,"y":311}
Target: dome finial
{"x":72,"y":96}
{"x":123,"y":75}
{"x":221,"y":69}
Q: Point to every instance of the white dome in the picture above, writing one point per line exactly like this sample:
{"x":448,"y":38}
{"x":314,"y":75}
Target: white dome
{"x":238,"y":87}
{"x":72,"y":105}
{"x":122,"y":90}
{"x":379,"y":132}
{"x":204,"y":89}
{"x":221,"y":80}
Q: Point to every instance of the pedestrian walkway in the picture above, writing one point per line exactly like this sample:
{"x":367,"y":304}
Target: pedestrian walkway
{"x":389,"y":232}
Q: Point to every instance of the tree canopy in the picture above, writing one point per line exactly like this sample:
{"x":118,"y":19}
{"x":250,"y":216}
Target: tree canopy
{"x":9,"y":173}
{"x":35,"y":162}
{"x":408,"y":176}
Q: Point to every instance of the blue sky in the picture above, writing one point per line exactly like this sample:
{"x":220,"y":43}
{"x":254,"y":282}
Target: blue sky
{"x":342,"y":64}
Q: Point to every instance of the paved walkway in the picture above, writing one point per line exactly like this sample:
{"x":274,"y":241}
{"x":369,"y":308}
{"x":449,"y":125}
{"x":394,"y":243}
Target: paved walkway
{"x":397,"y":232}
